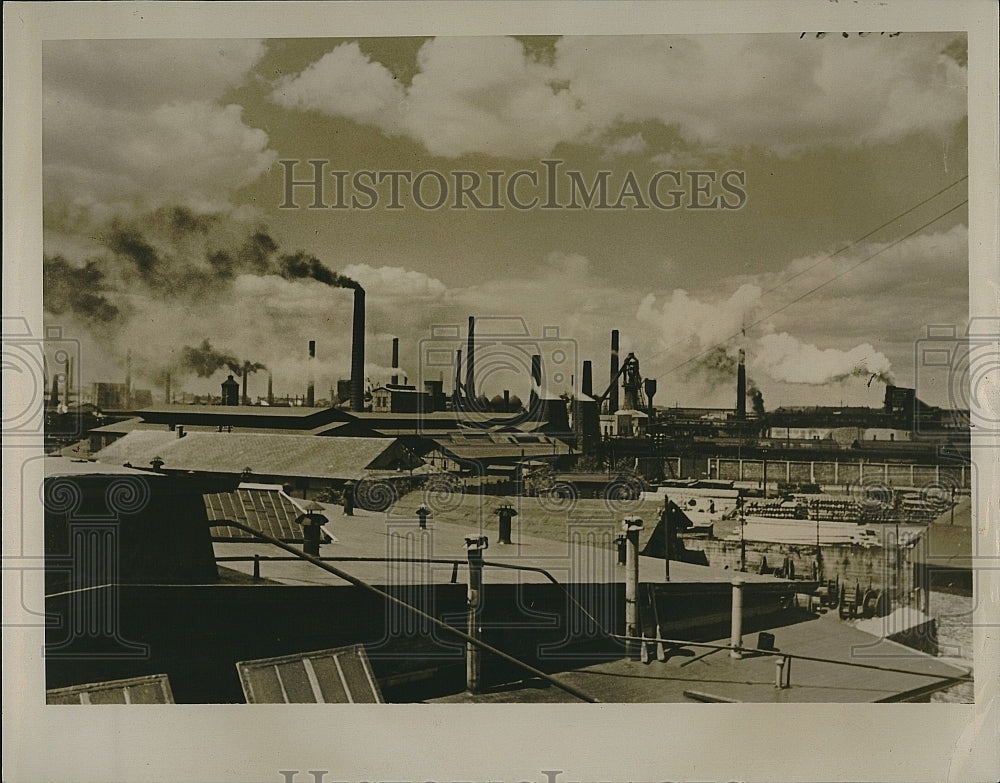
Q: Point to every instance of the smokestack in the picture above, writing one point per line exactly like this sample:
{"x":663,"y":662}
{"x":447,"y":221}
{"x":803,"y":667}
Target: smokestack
{"x":458,"y":378}
{"x":358,"y":353}
{"x":395,"y":359}
{"x":649,"y":386}
{"x":69,"y":381}
{"x":270,"y":389}
{"x":470,"y":369}
{"x":128,"y":378}
{"x":506,"y":400}
{"x":741,"y":387}
{"x":536,"y":383}
{"x":311,"y":388}
{"x":166,"y":388}
{"x":613,"y":399}
{"x":246,"y":372}
{"x":588,"y":379}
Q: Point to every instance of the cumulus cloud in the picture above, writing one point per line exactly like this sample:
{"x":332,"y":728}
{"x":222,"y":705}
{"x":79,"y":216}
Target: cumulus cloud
{"x":781,"y":93}
{"x":390,"y":281}
{"x":134,"y":125}
{"x":827,"y":337}
{"x":626,"y":145}
{"x":786,"y":358}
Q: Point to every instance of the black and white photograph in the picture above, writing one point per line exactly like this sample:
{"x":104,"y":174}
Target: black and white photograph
{"x":518,"y":375}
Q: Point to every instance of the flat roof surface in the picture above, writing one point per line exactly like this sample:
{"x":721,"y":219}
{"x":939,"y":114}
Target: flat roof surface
{"x":752,"y":678}
{"x":370,"y":534}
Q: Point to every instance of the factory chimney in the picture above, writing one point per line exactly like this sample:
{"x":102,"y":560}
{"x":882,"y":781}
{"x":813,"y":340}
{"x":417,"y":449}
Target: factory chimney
{"x":649,"y":387}
{"x":270,"y":389}
{"x":587,"y":387}
{"x":470,"y":368}
{"x":456,"y":400}
{"x":311,"y":388}
{"x":69,"y":381}
{"x":128,"y":378}
{"x":54,"y":395}
{"x":358,"y":353}
{"x":741,"y":387}
{"x":166,"y":389}
{"x":246,"y":373}
{"x":587,"y":416}
{"x":534,"y":396}
{"x":395,"y":360}
{"x":613,"y":398}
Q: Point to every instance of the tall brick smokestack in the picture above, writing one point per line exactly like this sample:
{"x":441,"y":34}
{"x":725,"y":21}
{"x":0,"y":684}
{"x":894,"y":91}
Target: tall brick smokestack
{"x":270,"y":389}
{"x":470,"y":367}
{"x":358,"y":353}
{"x":536,"y":383}
{"x":613,"y":398}
{"x":311,"y":388}
{"x":457,"y":399}
{"x":244,"y":399}
{"x":587,"y":386}
{"x":741,"y":386}
{"x":166,"y":389}
{"x":128,"y":379}
{"x":395,"y":359}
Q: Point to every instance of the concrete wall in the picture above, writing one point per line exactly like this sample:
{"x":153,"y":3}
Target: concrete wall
{"x":839,"y":473}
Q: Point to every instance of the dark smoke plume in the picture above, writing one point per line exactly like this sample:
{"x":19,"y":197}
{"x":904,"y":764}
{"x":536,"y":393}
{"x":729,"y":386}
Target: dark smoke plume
{"x":204,"y":361}
{"x":303,"y":265}
{"x":864,"y":372}
{"x":756,"y":398}
{"x":719,"y":368}
{"x":252,"y":367}
{"x":78,"y":290}
{"x":130,"y":244}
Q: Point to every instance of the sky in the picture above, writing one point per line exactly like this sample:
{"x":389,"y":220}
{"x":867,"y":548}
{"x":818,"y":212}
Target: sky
{"x":800,"y":197}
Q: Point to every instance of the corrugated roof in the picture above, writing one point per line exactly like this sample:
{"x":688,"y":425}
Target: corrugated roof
{"x":337,"y":676}
{"x":154,"y":689}
{"x":266,"y":454}
{"x":264,"y":508}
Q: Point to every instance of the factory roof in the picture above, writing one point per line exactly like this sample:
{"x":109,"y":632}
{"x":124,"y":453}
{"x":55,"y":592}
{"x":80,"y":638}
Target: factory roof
{"x":719,"y":677}
{"x":497,"y":445}
{"x":946,"y":544}
{"x":264,"y":454}
{"x":241,"y":410}
{"x":575,"y":545}
{"x":61,"y":466}
{"x":130,"y":425}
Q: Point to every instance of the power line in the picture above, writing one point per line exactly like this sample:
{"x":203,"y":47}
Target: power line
{"x":816,"y":288}
{"x":826,"y":258}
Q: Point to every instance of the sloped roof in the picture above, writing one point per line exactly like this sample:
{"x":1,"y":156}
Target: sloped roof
{"x":265,"y":454}
{"x":263,"y":507}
